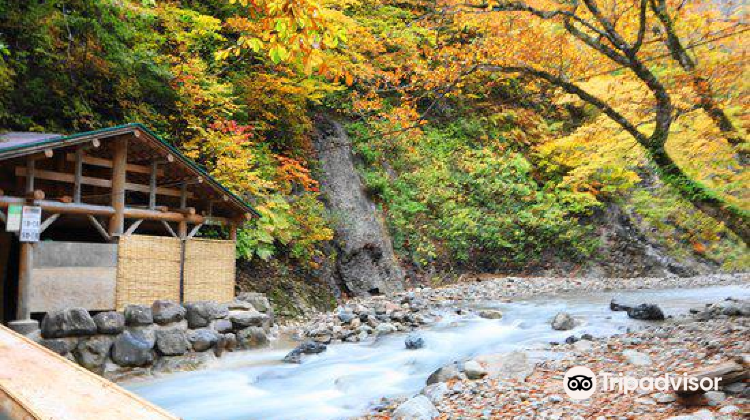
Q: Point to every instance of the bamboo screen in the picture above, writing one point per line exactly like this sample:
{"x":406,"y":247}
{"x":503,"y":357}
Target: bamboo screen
{"x":209,"y":270}
{"x":148,"y":269}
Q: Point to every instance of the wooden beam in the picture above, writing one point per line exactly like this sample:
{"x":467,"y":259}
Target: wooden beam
{"x":106,"y":163}
{"x":46,"y":154}
{"x":35,"y":195}
{"x":233,"y":232}
{"x":25,"y":265}
{"x":78,"y":159}
{"x":98,"y":182}
{"x":48,"y":222}
{"x":99,"y":228}
{"x":183,"y":195}
{"x":133,"y":227}
{"x":169,"y":228}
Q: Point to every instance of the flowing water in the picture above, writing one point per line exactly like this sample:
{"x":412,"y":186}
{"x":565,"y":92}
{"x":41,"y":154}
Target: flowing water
{"x":346,"y":379}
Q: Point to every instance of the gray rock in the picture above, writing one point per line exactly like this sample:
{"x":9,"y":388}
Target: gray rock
{"x":145,"y":333}
{"x":637,"y":358}
{"x":24,"y":326}
{"x":252,"y":337}
{"x":258,"y":300}
{"x":514,"y":365}
{"x":131,"y":351}
{"x":61,"y":346}
{"x":308,"y":347}
{"x":385,"y":328}
{"x":68,"y":323}
{"x":200,"y":314}
{"x":226,"y":342}
{"x":92,"y":352}
{"x":138,"y":315}
{"x":244,"y":319}
{"x":730,"y":409}
{"x":474,"y":370}
{"x":414,"y":342}
{"x":202,"y":339}
{"x":186,"y":362}
{"x":444,"y":374}
{"x":563,"y":322}
{"x":435,"y":392}
{"x":715,"y":398}
{"x":646,"y":312}
{"x":345,"y":316}
{"x":172,"y":342}
{"x":109,"y":322}
{"x":491,"y":314}
{"x":240,"y":305}
{"x":167,"y":312}
{"x":417,"y":408}
{"x":663,"y":398}
{"x":222,"y":326}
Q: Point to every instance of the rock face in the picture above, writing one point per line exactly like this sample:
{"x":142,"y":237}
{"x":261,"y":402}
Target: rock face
{"x":129,"y":350}
{"x":68,"y":323}
{"x":417,"y":408}
{"x":366,"y":264}
{"x":563,"y":322}
{"x":646,"y":312}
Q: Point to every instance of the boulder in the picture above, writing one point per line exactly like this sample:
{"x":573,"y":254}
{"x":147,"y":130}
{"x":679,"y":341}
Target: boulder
{"x":172,"y":342}
{"x":167,"y":312}
{"x":200,"y":314}
{"x":226,"y":342}
{"x":244,"y":319}
{"x":646,"y":312}
{"x":435,"y":392}
{"x":563,"y":322}
{"x":308,"y":347}
{"x":258,"y":300}
{"x":202,"y":339}
{"x":515,"y":365}
{"x":491,"y":314}
{"x":222,"y":326}
{"x":186,"y":362}
{"x":617,"y":307}
{"x":61,"y":346}
{"x":345,"y":316}
{"x":417,"y":408}
{"x":474,"y":370}
{"x":92,"y":352}
{"x":385,"y":328}
{"x":240,"y":305}
{"x":252,"y":337}
{"x":68,"y":323}
{"x":414,"y":342}
{"x":444,"y":374}
{"x":131,"y":351}
{"x":138,"y":315}
{"x":109,"y":322}
{"x":145,"y":333}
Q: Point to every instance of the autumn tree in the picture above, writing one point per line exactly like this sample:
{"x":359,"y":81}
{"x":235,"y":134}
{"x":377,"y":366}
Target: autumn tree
{"x":566,"y":43}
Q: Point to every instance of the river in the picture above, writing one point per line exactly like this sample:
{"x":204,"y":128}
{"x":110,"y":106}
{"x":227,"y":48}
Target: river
{"x":345,"y":380}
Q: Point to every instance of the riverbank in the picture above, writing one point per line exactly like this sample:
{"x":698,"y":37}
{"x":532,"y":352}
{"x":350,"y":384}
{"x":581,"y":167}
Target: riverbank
{"x":529,"y":385}
{"x":360,"y":319}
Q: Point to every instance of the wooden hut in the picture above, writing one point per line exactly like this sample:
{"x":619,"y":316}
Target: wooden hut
{"x":107,"y":218}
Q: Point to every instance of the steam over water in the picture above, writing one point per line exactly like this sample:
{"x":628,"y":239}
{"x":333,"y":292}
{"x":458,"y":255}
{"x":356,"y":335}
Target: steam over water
{"x":345,"y":380}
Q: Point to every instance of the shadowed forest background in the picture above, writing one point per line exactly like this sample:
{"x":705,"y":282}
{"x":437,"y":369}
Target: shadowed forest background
{"x":467,"y":120}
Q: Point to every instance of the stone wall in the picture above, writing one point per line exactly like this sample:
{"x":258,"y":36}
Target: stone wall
{"x":163,"y":337}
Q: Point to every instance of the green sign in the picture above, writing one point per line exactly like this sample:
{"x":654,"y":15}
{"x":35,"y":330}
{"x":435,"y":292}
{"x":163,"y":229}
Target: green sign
{"x":13,"y":223}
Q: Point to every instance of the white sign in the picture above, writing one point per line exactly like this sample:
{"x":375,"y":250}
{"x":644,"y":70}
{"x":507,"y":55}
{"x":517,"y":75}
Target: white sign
{"x":13,"y":224}
{"x":31,"y":220}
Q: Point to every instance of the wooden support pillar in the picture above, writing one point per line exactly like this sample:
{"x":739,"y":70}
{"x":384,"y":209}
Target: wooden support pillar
{"x":119,"y":170}
{"x":233,"y":232}
{"x":152,"y":185}
{"x":25,"y":265}
{"x":182,"y":229}
{"x":78,"y":176}
{"x":30,"y":172}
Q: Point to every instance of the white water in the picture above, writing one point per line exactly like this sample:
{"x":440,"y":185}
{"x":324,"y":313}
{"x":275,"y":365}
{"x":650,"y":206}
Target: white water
{"x":345,"y":380}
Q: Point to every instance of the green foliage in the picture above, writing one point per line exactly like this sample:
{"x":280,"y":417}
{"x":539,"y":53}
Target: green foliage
{"x":463,"y":200}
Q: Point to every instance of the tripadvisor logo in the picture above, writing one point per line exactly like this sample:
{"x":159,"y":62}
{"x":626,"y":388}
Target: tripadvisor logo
{"x":581,"y":382}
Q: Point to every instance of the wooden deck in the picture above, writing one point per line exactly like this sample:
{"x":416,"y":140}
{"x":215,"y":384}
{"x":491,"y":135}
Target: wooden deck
{"x":37,"y":384}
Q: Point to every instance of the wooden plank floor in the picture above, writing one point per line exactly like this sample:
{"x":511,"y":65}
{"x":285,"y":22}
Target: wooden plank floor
{"x":50,"y":387}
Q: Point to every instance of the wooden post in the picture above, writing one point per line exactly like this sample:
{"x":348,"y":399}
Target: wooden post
{"x":152,"y":185}
{"x":119,"y":170}
{"x":30,"y":172}
{"x":25,"y":265}
{"x":182,"y":229}
{"x":233,"y":232}
{"x":78,"y":175}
